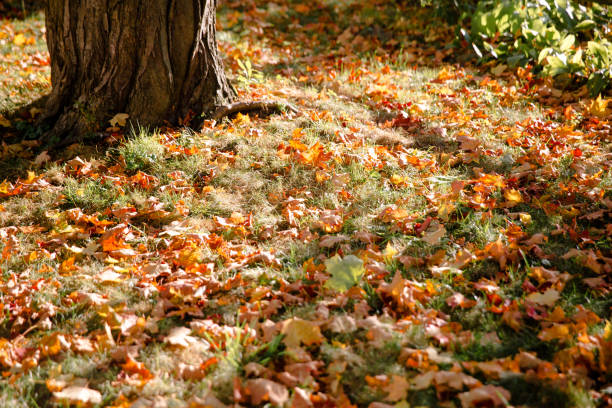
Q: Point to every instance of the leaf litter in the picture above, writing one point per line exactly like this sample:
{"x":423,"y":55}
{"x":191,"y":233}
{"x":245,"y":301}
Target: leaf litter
{"x":420,"y":233}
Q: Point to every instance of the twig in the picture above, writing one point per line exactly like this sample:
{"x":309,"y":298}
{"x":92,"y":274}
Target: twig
{"x":266,"y":106}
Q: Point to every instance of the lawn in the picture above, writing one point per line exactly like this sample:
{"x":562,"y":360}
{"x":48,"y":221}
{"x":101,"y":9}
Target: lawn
{"x":423,"y":232}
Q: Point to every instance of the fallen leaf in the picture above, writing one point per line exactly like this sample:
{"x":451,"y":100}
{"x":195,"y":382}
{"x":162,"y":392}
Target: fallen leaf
{"x":298,"y":331}
{"x":119,"y":120}
{"x":179,"y":336}
{"x":19,"y":40}
{"x":434,"y":233}
{"x":345,"y":272}
{"x":397,"y":389}
{"x":487,"y":395}
{"x":556,"y":331}
{"x":78,"y":395}
{"x":261,"y":390}
{"x":547,"y":298}
{"x":599,"y":107}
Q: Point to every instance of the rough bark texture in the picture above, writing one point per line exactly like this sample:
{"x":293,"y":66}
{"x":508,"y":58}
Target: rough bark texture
{"x":155,"y":60}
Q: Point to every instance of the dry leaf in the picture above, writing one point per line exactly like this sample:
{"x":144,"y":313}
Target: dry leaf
{"x":434,"y":233}
{"x":78,"y":395}
{"x":547,"y":298}
{"x":119,"y":120}
{"x":487,"y":395}
{"x":298,"y":331}
{"x":262,"y":390}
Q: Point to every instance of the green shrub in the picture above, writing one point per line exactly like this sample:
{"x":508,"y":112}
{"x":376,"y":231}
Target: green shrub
{"x":560,"y":38}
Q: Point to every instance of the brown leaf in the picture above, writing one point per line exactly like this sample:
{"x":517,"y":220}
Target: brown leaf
{"x":434,"y":233}
{"x":547,"y":298}
{"x":261,"y":390}
{"x":397,"y":389}
{"x":298,"y":331}
{"x":487,"y":395}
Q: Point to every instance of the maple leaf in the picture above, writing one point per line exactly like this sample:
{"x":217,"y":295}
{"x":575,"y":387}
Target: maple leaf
{"x":397,"y":389}
{"x":547,"y":298}
{"x":599,"y":107}
{"x":54,"y":343}
{"x":261,"y":390}
{"x":119,"y":120}
{"x":19,"y":40}
{"x":513,"y":197}
{"x":329,"y":241}
{"x":298,"y":331}
{"x":109,"y":276}
{"x":434,"y":233}
{"x":113,"y":238}
{"x":488,"y":395}
{"x":556,"y":331}
{"x":179,"y":336}
{"x":78,"y":395}
{"x":458,"y":299}
{"x":345,"y":272}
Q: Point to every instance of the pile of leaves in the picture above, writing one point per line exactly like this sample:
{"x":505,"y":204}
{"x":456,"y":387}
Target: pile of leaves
{"x":419,"y":234}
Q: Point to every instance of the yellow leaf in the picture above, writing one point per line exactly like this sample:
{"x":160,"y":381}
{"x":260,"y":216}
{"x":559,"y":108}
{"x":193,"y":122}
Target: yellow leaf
{"x":31,"y":177}
{"x":607,"y":334}
{"x":599,"y":107}
{"x":119,"y":119}
{"x":19,"y":40}
{"x":445,"y":210}
{"x":389,"y":252}
{"x":242,"y":119}
{"x":525,"y":218}
{"x":513,"y":196}
{"x":68,"y":266}
{"x":53,"y":344}
{"x":31,"y":257}
{"x":556,"y":331}
{"x":396,"y":180}
{"x":321,"y":176}
{"x":298,"y":331}
{"x":498,"y":70}
{"x":4,"y":122}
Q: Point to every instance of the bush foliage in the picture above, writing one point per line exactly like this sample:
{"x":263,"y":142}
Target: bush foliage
{"x":563,"y":39}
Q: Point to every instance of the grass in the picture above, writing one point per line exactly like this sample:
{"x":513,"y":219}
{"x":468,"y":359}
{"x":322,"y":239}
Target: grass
{"x":224,"y":224}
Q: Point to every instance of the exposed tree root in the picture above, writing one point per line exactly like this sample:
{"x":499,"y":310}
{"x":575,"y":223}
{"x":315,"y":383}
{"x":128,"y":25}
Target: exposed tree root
{"x":264,"y":106}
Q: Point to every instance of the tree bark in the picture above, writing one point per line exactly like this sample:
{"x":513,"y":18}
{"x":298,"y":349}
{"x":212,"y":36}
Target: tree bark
{"x":155,"y":60}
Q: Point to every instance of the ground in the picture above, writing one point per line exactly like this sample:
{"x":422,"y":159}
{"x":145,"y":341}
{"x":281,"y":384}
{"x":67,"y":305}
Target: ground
{"x":421,"y":233}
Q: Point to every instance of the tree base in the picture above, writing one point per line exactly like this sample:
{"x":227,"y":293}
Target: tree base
{"x":105,"y":61}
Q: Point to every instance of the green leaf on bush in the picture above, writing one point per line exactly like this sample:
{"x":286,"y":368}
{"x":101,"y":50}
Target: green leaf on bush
{"x":567,"y":43}
{"x":557,"y":64}
{"x":599,"y":51}
{"x":345,"y":272}
{"x":597,"y":82}
{"x":543,"y":54}
{"x":585,"y":25}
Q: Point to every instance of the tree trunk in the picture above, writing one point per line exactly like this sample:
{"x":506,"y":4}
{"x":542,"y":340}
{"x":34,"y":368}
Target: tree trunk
{"x":155,"y":60}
